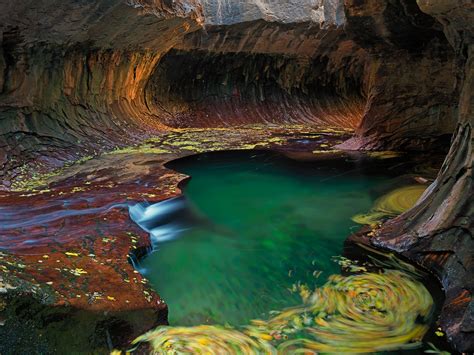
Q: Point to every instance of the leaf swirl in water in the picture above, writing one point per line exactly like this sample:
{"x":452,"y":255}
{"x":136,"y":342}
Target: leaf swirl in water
{"x":359,"y":313}
{"x":391,"y":204}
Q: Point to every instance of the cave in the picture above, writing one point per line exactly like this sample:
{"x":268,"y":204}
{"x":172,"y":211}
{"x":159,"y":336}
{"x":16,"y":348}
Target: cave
{"x":202,"y":89}
{"x":301,"y":171}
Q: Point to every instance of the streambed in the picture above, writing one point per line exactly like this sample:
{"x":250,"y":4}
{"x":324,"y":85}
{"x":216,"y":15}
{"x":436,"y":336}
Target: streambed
{"x":106,"y":234}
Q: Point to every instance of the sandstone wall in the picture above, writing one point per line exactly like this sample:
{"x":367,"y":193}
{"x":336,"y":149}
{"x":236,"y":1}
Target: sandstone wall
{"x":88,"y":74}
{"x":438,"y":233}
{"x":73,"y":74}
{"x":293,"y":73}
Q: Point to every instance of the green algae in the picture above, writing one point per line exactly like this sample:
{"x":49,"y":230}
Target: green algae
{"x":35,"y":182}
{"x":146,"y":148}
{"x":183,"y":142}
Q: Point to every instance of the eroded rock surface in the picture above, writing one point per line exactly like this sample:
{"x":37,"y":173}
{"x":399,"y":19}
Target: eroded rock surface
{"x":66,"y":239}
{"x":73,"y":74}
{"x":438,"y":232}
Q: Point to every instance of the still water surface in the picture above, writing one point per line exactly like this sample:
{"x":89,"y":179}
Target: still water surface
{"x":254,"y":225}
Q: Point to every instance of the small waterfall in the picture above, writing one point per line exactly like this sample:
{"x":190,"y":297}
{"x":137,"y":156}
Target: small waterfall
{"x":163,"y":220}
{"x":133,"y":259}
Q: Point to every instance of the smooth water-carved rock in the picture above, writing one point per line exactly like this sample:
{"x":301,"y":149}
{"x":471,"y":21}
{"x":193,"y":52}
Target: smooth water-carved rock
{"x":438,"y":232}
{"x":105,"y":82}
{"x":74,"y":74}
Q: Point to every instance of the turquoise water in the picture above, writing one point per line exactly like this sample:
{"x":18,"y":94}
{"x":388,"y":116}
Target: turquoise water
{"x":261,"y":224}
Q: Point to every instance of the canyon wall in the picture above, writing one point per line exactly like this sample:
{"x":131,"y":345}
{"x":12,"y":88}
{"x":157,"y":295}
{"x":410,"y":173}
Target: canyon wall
{"x":82,"y":77}
{"x":384,"y":68}
{"x":228,"y":76}
{"x":73,"y":74}
{"x":412,"y":100}
{"x":438,"y":233}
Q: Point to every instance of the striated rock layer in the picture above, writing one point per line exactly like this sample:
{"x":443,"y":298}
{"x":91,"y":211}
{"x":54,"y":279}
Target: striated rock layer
{"x":73,"y":74}
{"x":97,"y":74}
{"x":438,"y":233}
{"x":82,"y":77}
{"x":229,"y":76}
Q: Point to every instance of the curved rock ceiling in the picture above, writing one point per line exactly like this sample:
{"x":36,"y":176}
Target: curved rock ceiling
{"x":67,"y":64}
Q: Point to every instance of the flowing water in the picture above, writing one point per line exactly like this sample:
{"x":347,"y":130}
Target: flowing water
{"x":256,"y":225}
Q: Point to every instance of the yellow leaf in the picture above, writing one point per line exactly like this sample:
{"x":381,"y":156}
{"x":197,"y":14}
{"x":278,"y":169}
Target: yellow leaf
{"x":68,"y":253}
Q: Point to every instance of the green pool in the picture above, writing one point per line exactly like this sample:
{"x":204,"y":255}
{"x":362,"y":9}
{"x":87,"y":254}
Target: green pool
{"x":264,"y":224}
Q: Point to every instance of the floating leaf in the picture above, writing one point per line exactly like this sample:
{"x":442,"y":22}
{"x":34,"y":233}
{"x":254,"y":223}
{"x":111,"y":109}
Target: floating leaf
{"x":361,"y":313}
{"x":391,"y":204}
{"x":388,"y":154}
